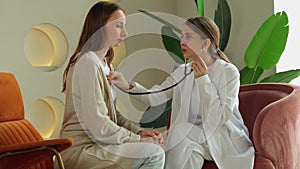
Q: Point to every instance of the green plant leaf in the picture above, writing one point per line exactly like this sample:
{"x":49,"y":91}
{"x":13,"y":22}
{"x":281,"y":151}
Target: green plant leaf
{"x":200,"y":7}
{"x":268,"y":43}
{"x":154,"y":118}
{"x":201,"y":10}
{"x":161,"y":20}
{"x":172,"y":44}
{"x":283,"y":77}
{"x":223,"y":19}
{"x":250,"y":75}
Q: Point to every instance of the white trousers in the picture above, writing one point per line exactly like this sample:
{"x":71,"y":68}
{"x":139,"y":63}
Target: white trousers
{"x":187,"y":154}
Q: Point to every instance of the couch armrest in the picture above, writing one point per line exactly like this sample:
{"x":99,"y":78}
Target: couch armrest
{"x":276,"y":132}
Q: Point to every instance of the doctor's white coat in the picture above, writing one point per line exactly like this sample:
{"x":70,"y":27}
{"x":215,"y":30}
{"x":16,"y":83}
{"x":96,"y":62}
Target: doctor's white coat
{"x":210,"y":103}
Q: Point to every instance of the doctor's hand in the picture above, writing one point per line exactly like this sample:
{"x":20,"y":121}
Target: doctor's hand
{"x":199,"y":68}
{"x":118,"y":79}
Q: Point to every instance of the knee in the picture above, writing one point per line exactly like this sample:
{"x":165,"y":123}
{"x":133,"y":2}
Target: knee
{"x":160,"y":156}
{"x":153,"y":150}
{"x":155,"y":156}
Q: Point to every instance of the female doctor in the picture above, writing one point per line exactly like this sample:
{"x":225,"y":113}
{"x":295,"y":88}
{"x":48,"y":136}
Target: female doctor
{"x":206,"y":123}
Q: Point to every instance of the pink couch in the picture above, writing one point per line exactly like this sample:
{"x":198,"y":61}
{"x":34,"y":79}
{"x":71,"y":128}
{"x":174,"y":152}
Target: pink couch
{"x":271,"y":111}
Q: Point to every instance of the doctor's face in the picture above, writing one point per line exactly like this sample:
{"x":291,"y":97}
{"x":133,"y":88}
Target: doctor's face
{"x":115,"y":28}
{"x":191,"y":43}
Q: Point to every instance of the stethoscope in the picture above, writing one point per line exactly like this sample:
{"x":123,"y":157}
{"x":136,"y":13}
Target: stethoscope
{"x":161,"y":90}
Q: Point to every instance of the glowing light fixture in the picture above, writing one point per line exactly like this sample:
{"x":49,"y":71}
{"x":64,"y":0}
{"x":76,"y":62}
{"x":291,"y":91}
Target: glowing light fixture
{"x":45,"y":46}
{"x":46,"y":115}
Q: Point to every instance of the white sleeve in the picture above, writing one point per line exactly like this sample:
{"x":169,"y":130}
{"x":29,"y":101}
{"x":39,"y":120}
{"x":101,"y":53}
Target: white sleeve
{"x":154,"y":99}
{"x":217,"y":101}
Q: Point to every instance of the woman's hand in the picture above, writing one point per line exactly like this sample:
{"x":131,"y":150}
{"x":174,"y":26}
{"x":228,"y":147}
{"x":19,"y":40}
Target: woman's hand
{"x":199,"y":68}
{"x":150,"y":133}
{"x":154,"y":141}
{"x":118,"y":79}
{"x":152,"y":136}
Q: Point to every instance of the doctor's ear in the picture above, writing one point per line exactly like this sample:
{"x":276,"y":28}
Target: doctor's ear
{"x":206,"y":44}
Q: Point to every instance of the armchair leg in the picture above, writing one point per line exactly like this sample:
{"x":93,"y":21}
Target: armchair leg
{"x":58,"y":157}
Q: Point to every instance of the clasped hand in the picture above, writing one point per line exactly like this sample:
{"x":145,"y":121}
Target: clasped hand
{"x":152,"y":136}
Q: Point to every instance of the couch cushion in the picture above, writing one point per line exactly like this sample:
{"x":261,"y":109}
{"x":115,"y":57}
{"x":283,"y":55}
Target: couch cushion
{"x":253,"y":98}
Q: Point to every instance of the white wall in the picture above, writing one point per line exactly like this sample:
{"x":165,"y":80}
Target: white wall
{"x":187,"y":8}
{"x":144,"y":41}
{"x":290,"y":57}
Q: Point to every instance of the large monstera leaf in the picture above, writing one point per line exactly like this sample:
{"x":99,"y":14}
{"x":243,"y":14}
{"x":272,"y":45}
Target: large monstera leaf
{"x":283,"y":77}
{"x":266,"y":47}
{"x":223,"y":19}
{"x":172,"y":44}
{"x":250,"y":75}
{"x":268,"y":43}
{"x":153,"y":117}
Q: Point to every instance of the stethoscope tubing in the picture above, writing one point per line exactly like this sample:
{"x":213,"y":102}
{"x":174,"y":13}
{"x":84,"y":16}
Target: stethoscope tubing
{"x":158,"y":91}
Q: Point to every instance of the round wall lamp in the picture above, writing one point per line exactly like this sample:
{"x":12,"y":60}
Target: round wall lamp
{"x":46,"y":47}
{"x":46,"y":115}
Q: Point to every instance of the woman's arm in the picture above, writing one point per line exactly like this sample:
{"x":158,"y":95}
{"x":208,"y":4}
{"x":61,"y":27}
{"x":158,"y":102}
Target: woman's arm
{"x":124,"y":122}
{"x":156,"y":136}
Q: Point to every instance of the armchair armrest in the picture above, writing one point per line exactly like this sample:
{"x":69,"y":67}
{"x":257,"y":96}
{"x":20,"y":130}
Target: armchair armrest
{"x":276,"y":132}
{"x":59,"y":144}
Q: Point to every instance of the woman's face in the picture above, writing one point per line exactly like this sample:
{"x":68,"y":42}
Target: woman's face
{"x":115,"y":28}
{"x":192,"y":44}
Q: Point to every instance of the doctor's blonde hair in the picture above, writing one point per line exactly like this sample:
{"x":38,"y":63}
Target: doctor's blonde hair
{"x":208,"y":29}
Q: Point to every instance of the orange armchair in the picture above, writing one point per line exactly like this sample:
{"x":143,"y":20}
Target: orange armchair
{"x":271,"y":111}
{"x":21,"y":146}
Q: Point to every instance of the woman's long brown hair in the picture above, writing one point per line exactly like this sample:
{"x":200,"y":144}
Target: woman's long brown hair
{"x":92,"y":36}
{"x":207,"y":28}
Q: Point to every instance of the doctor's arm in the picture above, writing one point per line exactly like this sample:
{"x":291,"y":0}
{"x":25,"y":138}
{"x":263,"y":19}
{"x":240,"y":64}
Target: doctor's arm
{"x":153,"y":99}
{"x":218,"y":100}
